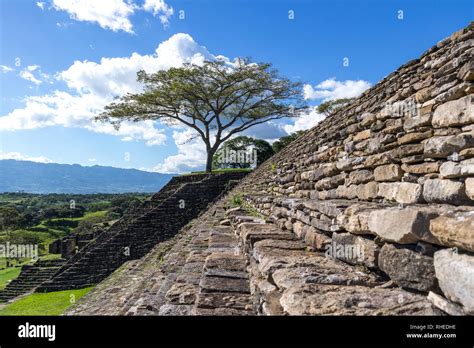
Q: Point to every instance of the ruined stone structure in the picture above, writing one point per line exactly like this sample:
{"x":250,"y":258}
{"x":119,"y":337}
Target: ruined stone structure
{"x":134,"y":235}
{"x":370,"y":212}
{"x":30,"y":277}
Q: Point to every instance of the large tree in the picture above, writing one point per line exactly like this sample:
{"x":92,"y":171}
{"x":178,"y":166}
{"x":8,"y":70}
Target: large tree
{"x":216,"y":99}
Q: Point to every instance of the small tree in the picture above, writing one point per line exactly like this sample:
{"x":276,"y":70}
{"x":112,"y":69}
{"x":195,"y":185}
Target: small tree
{"x":283,"y":141}
{"x":331,"y":106}
{"x":215,"y":99}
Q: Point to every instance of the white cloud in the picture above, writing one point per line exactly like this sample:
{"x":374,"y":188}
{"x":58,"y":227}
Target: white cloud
{"x":159,"y":8}
{"x":332,"y":89}
{"x":109,"y":14}
{"x":112,"y":14}
{"x":28,"y":76}
{"x":307,"y":120}
{"x":4,"y":69}
{"x":93,"y":85}
{"x":40,"y":4}
{"x":191,"y":154}
{"x":20,"y":157}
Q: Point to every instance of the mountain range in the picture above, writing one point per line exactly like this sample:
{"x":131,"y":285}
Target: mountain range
{"x":33,"y":177}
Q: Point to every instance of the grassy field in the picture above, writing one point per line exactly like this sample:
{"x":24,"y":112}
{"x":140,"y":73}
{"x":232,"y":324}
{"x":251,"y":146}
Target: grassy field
{"x":49,"y":303}
{"x":6,"y":275}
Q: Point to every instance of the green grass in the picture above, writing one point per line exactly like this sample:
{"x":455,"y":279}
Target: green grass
{"x":7,"y":275}
{"x":48,"y":303}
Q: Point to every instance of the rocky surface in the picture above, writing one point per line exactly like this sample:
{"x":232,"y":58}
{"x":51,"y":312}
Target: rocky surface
{"x":370,"y":212}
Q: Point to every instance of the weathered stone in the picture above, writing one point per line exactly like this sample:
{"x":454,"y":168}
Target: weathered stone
{"x":444,"y":191}
{"x":331,"y":182}
{"x":182,"y":293}
{"x":330,"y":273}
{"x":401,"y":192}
{"x":454,"y":113}
{"x":455,"y":273}
{"x":445,"y":305}
{"x":355,"y":219}
{"x":407,"y":268}
{"x":466,"y":73}
{"x":316,"y":240}
{"x":455,"y":229}
{"x":469,"y":183}
{"x":251,"y":233}
{"x":353,"y":249}
{"x":403,"y":225}
{"x":329,"y":208}
{"x":416,"y":121}
{"x":422,"y":168}
{"x":365,"y":134}
{"x":443,"y":146}
{"x":389,"y":172}
{"x":221,"y":284}
{"x":225,"y":300}
{"x":367,"y":191}
{"x":316,"y":299}
{"x":451,"y":170}
{"x":414,"y":137}
{"x":360,"y":176}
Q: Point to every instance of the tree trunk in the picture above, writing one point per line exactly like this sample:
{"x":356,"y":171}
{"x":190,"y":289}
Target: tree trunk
{"x":209,"y":161}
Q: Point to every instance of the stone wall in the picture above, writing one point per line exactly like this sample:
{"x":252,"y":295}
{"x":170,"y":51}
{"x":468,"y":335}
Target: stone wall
{"x":371,"y":212}
{"x":134,"y":235}
{"x":387,"y":182}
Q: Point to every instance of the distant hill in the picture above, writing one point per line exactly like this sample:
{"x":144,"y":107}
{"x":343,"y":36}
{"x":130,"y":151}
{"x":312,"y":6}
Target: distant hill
{"x":65,"y":178}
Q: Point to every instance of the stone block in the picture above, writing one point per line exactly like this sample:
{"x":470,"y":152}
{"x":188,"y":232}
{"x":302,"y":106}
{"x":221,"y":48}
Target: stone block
{"x":455,"y":229}
{"x":454,"y":113}
{"x":407,"y":268}
{"x":403,"y":225}
{"x":455,"y":273}
{"x":401,"y":192}
{"x":389,"y":172}
{"x":444,"y":191}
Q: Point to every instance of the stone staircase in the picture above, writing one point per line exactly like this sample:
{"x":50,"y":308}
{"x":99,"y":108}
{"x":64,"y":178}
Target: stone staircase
{"x":31,"y":276}
{"x":156,"y":220}
{"x":230,"y":262}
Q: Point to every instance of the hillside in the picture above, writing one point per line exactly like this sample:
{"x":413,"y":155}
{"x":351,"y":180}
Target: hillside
{"x":64,"y":178}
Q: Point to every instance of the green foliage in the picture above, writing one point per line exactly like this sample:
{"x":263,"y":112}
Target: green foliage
{"x":331,"y":106}
{"x":49,"y":303}
{"x":210,"y":97}
{"x":244,"y":144}
{"x":283,"y":141}
{"x":236,"y":200}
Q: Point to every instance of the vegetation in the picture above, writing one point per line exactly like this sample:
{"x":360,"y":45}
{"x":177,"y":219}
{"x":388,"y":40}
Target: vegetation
{"x":49,"y":303}
{"x":236,"y":200}
{"x":216,"y":99}
{"x":36,"y":219}
{"x":283,"y":141}
{"x":242,"y":145}
{"x":7,"y":275}
{"x":331,"y":106}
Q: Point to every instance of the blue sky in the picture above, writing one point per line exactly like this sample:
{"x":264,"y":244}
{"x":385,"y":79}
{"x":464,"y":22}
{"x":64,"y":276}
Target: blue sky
{"x":62,"y":60}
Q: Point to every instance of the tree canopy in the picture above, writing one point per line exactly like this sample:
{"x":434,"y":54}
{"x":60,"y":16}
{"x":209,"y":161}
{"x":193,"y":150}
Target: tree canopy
{"x":216,"y":99}
{"x":283,"y":141}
